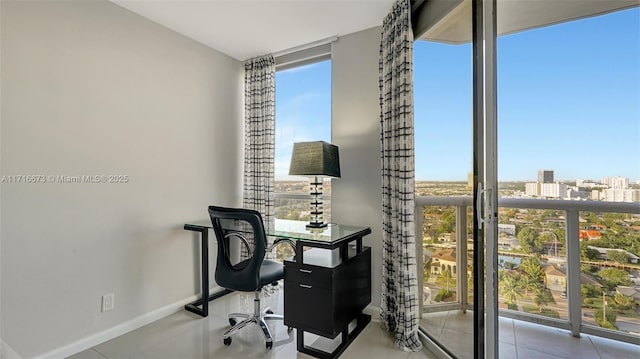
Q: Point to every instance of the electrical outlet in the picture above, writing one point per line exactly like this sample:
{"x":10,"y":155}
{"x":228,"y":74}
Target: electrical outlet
{"x":108,"y":302}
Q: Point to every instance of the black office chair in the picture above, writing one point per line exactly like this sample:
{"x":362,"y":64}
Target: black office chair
{"x":249,"y":273}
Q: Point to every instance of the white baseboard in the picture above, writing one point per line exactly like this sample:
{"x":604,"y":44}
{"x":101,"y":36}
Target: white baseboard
{"x":373,"y":311}
{"x":120,"y":329}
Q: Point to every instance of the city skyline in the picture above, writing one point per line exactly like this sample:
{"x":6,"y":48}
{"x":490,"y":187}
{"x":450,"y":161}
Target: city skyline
{"x":568,"y":100}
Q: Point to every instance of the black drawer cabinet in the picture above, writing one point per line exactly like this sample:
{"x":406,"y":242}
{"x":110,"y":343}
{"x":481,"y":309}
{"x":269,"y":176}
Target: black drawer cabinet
{"x":323,"y":300}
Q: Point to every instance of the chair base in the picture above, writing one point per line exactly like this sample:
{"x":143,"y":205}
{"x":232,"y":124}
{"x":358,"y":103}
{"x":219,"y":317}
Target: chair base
{"x":258,"y":317}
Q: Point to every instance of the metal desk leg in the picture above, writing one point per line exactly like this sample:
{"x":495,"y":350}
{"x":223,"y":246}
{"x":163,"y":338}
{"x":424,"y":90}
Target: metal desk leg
{"x":204,"y":275}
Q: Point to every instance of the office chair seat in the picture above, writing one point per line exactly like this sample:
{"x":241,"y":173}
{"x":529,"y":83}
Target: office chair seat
{"x":270,"y":272}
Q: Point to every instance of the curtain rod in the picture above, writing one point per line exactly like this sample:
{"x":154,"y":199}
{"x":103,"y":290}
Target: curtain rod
{"x":310,"y":45}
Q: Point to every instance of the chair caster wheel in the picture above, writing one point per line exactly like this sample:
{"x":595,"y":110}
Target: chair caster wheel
{"x":227,"y":341}
{"x":269,"y":311}
{"x":269,"y":345}
{"x":232,"y":322}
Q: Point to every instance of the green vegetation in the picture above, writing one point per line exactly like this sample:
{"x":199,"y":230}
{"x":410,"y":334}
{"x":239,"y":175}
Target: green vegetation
{"x":545,"y":312}
{"x":590,"y":291}
{"x":613,"y":277}
{"x":443,"y":295}
{"x":510,"y":288}
{"x":618,"y":256}
{"x":606,"y":320}
{"x":446,"y":279}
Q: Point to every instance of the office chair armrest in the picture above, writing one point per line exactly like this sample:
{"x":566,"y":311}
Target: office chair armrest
{"x":282,"y":240}
{"x":243,"y":239}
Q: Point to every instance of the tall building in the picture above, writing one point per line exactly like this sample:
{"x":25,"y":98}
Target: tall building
{"x":532,"y":189}
{"x":621,"y":195}
{"x":545,"y":176}
{"x":616,"y":182}
{"x":553,"y":190}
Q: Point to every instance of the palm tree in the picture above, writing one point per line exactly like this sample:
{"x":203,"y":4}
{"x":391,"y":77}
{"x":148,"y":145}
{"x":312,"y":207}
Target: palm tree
{"x":541,"y":299}
{"x":530,"y":284}
{"x":532,"y":266}
{"x":445,"y":278}
{"x":510,"y":289}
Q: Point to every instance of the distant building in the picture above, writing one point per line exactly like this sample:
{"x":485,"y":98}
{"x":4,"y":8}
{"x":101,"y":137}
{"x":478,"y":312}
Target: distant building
{"x":633,"y":292}
{"x":616,"y":182}
{"x":620,"y":195}
{"x":589,"y":184}
{"x":556,"y":278}
{"x":589,"y":235}
{"x":603,"y":253}
{"x":576,"y":194}
{"x":545,"y":176}
{"x":508,"y":243}
{"x":532,"y":189}
{"x":509,"y":229}
{"x":597,"y":227}
{"x":443,"y":259}
{"x":553,"y":190}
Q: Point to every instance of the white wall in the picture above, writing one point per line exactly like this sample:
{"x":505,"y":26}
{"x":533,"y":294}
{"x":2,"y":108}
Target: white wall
{"x":89,"y":88}
{"x":355,"y":128}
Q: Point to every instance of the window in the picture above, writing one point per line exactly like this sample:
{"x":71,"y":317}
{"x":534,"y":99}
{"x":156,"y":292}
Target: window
{"x":303,"y":113}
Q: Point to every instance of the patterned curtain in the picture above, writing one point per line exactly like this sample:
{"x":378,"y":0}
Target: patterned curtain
{"x":259,"y":142}
{"x":400,"y":311}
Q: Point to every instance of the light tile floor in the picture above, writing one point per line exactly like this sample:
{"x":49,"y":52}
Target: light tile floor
{"x":184,"y":335}
{"x":523,"y":340}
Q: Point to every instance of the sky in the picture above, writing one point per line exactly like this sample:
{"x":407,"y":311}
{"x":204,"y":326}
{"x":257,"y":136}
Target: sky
{"x":568,"y":101}
{"x":303,"y":111}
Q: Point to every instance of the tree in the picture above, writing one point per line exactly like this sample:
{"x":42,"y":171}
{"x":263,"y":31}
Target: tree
{"x":529,"y":240}
{"x":447,"y":221}
{"x":587,"y":253}
{"x":445,"y":278}
{"x":541,"y":299}
{"x":530,"y":284}
{"x":613,"y":277}
{"x":609,"y":322}
{"x":590,"y":291}
{"x":442,"y":295}
{"x":510,"y":289}
{"x":617,"y":256}
{"x":622,"y":302}
{"x":532,"y":267}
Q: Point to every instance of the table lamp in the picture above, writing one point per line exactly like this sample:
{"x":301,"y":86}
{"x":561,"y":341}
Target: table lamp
{"x":316,"y":160}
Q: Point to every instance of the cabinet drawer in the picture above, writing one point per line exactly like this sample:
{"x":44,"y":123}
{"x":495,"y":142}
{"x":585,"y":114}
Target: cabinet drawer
{"x":309,"y":309}
{"x":317,"y":277}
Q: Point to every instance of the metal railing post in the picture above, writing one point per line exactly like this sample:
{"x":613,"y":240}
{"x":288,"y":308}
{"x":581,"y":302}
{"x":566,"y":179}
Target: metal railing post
{"x":419,"y":218}
{"x":574,"y":296}
{"x":461,"y":245}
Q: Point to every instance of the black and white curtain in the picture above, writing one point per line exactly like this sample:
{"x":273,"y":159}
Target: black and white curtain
{"x":259,"y":144}
{"x":400,"y":301}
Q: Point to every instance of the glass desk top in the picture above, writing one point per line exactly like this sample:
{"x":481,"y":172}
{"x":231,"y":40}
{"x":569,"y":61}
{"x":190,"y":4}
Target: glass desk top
{"x":330,"y":236}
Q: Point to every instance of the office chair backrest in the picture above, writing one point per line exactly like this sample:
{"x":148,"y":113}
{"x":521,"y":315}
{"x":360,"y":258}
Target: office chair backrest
{"x":243,"y":226}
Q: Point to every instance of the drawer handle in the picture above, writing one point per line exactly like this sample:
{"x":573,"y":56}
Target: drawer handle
{"x":305,"y":271}
{"x":305,"y":286}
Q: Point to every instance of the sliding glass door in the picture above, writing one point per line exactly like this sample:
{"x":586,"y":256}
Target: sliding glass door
{"x":555,"y":241}
{"x":456,"y":183}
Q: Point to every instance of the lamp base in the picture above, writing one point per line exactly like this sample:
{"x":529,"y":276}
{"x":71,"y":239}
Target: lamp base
{"x":315,"y":225}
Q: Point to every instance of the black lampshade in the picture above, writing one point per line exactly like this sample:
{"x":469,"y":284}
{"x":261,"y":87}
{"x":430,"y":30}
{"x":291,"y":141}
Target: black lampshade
{"x":316,"y":158}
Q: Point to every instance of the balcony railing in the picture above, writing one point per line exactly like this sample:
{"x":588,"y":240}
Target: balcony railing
{"x":572,"y":210}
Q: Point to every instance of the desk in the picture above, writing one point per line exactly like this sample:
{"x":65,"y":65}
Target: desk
{"x":323,"y":293}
